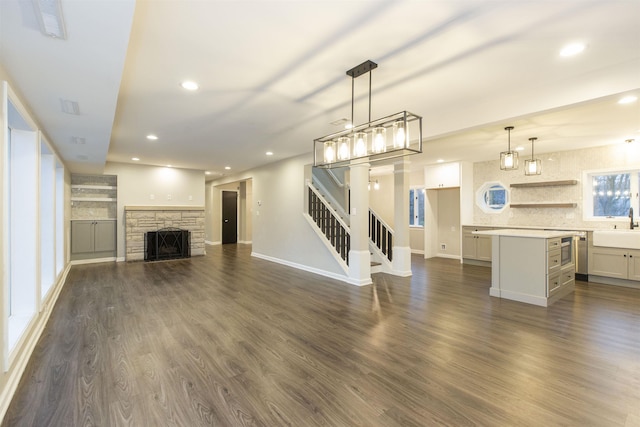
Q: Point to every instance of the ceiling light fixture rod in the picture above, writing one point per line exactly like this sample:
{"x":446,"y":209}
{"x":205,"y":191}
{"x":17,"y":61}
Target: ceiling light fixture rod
{"x":366,"y":67}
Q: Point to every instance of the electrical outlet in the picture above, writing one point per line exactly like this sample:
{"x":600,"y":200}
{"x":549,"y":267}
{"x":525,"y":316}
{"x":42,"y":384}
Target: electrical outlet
{"x":152,"y":196}
{"x":190,"y":197}
{"x":168,"y":196}
{"x":443,"y":246}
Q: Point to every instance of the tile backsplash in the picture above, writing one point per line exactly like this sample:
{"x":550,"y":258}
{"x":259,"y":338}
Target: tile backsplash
{"x":557,"y":166}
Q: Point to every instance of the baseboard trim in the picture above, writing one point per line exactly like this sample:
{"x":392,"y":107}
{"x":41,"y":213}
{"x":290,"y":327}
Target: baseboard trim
{"x":439,"y":255}
{"x":417,"y":251}
{"x":309,"y":269}
{"x":92,"y":260}
{"x":16,"y":369}
{"x":209,"y":242}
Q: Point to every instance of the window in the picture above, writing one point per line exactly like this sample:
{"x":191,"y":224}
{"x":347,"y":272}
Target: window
{"x":492,"y":197}
{"x":416,"y":207}
{"x":611,"y":193}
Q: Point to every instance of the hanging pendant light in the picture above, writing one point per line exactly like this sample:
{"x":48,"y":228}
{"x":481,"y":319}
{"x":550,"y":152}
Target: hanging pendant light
{"x":376,"y":140}
{"x":532,"y":166}
{"x":509,"y":159}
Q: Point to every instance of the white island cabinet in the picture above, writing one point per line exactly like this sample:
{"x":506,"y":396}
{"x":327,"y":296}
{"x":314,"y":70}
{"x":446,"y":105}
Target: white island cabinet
{"x":529,"y":266}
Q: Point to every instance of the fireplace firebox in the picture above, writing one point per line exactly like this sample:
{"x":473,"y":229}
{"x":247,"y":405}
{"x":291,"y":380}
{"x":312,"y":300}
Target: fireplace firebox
{"x":167,"y":243}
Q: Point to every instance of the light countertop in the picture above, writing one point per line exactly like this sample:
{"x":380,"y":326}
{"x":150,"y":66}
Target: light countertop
{"x":538,"y":234}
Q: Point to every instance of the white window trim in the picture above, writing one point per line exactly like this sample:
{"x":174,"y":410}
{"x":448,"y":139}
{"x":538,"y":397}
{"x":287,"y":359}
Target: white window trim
{"x":420,"y":188}
{"x":587,"y":192}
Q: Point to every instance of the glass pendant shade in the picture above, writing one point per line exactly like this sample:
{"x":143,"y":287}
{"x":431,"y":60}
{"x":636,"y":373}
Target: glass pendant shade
{"x":509,"y":159}
{"x":359,"y":144}
{"x":329,"y":151}
{"x":379,"y":140}
{"x":400,"y":135}
{"x":532,"y":166}
{"x":343,"y":148}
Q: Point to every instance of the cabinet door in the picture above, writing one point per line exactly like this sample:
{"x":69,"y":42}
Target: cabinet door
{"x":105,"y":236}
{"x":442,"y":176}
{"x":469,"y":246}
{"x":483,"y":248}
{"x":81,"y":237}
{"x":634,"y":265}
{"x":608,"y":262}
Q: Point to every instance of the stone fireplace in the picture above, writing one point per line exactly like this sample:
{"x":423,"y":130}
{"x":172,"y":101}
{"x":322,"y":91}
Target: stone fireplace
{"x":142,"y":219}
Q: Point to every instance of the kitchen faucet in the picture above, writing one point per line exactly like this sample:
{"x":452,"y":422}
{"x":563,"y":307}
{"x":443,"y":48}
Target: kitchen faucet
{"x":631,"y":219}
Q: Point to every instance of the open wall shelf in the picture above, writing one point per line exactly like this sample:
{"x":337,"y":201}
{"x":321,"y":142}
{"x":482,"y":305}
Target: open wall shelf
{"x":544,"y":184}
{"x":543,"y":205}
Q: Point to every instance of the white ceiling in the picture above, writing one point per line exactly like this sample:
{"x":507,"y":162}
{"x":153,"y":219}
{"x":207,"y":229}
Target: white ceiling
{"x":272,"y":76}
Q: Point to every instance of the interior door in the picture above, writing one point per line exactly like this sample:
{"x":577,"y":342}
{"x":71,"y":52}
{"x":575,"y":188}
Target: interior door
{"x":229,"y":217}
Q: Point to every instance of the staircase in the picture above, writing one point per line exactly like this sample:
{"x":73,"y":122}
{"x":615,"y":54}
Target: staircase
{"x":328,"y":209}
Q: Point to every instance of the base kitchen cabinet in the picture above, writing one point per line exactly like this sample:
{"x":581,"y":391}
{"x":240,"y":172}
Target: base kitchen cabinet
{"x":476,"y":247}
{"x":615,"y":263}
{"x":93,"y":239}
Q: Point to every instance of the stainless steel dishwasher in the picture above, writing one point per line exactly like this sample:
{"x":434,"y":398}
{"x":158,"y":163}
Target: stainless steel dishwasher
{"x":582,"y":260}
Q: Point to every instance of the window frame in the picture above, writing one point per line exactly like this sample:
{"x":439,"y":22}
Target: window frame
{"x":415,"y":189}
{"x":587,"y":192}
{"x":481,"y":197}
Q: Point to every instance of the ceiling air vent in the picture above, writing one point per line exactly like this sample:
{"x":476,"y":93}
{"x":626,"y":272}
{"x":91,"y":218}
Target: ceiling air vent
{"x":78,"y":140}
{"x":69,"y":107}
{"x":49,"y":15}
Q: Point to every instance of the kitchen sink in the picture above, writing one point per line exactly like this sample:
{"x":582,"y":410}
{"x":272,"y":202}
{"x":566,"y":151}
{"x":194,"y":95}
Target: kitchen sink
{"x":629,"y":239}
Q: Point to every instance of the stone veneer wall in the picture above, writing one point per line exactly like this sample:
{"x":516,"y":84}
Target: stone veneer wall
{"x":140,"y":219}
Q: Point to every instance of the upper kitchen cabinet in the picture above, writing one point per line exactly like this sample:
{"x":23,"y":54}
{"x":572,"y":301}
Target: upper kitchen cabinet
{"x":445,"y":175}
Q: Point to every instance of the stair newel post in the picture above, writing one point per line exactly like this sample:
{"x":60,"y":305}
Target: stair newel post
{"x":401,"y":248}
{"x":359,"y":256}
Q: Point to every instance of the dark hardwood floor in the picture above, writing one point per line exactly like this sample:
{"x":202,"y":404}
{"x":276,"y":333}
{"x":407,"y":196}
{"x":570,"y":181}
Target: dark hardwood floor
{"x":231,"y":340}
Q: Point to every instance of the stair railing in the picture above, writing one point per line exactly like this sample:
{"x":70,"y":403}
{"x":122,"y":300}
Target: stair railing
{"x":329,"y":223}
{"x":381,"y":235}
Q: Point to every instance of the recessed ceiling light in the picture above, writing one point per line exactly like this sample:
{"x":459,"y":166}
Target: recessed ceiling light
{"x":135,"y":159}
{"x":189,"y":85}
{"x":519,"y":148}
{"x":227,"y":167}
{"x":440,"y":161}
{"x":348,"y":126}
{"x":572,"y":49}
{"x":207,"y":173}
{"x":628,"y":99}
{"x":152,"y":137}
{"x":269,"y":153}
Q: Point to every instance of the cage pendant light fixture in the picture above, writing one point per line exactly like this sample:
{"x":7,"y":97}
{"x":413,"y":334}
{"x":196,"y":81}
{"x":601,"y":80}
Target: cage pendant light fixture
{"x":509,"y":158}
{"x":373,"y":141}
{"x":532,"y":166}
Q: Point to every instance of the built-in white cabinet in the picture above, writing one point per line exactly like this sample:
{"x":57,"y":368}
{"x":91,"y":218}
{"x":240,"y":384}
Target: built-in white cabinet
{"x":615,"y":263}
{"x":476,"y":247}
{"x":445,"y":175}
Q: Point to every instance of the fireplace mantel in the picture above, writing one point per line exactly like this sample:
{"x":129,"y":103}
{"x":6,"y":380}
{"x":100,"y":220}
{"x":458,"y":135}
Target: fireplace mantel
{"x":141,"y":219}
{"x":164,"y":208}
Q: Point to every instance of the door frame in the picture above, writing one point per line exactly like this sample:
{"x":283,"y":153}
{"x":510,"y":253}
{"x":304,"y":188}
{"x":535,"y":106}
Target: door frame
{"x":237,"y":213}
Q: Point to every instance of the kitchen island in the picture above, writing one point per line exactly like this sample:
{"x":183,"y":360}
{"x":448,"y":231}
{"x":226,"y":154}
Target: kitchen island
{"x":529,"y":266}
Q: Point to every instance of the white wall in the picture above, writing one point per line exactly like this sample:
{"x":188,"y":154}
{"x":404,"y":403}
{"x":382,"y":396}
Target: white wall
{"x":562,"y":165}
{"x":381,"y":201}
{"x":140,"y":185}
{"x":279,"y":229}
